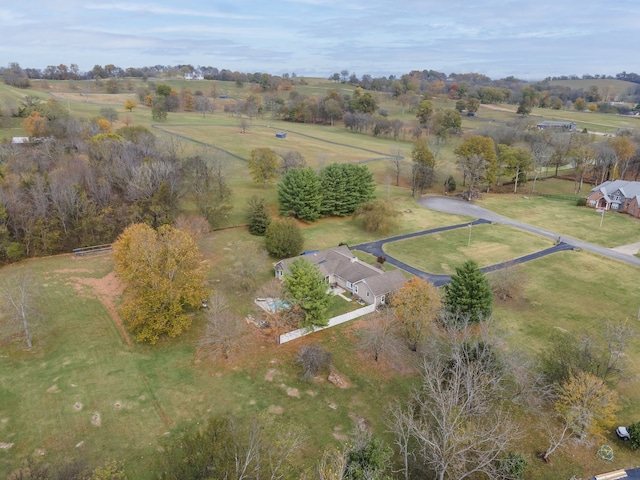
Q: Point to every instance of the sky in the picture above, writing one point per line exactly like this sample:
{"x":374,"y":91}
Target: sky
{"x":529,"y":39}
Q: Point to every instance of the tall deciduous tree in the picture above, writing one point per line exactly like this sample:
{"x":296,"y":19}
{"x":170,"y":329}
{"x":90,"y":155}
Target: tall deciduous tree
{"x":18,"y":292}
{"x":263,"y":165}
{"x":164,"y":276}
{"x":468,"y":295}
{"x":454,"y":425}
{"x":477,"y":161}
{"x":306,"y":287}
{"x":300,"y":194}
{"x":423,"y":168}
{"x":416,"y":305}
{"x":516,"y":162}
{"x":587,"y":404}
{"x":283,"y":238}
{"x":425,"y":112}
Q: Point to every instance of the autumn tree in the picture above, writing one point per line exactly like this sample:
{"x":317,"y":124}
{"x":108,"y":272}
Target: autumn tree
{"x":516,"y":162}
{"x":305,"y":287}
{"x":468,"y":295}
{"x":164,"y":276}
{"x":415,"y":306}
{"x":378,"y":216}
{"x":35,"y":124}
{"x":477,"y":160}
{"x":587,"y":404}
{"x":423,"y":168}
{"x":263,"y":165}
{"x":424,"y":114}
{"x":447,"y":122}
{"x":283,"y":238}
{"x":129,"y":105}
{"x":624,"y":149}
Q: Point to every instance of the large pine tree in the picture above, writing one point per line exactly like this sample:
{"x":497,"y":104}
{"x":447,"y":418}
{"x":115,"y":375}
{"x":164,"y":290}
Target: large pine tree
{"x":468,"y":296}
{"x":300,"y":194}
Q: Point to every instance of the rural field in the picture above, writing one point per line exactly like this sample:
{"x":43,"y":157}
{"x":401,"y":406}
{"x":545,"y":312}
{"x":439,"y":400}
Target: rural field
{"x":87,"y":390}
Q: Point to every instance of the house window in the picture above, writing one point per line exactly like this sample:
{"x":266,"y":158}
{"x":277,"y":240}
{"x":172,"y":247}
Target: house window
{"x":349,"y":285}
{"x":614,"y":206}
{"x":368,"y":294}
{"x":382,"y":299}
{"x":592,"y":203}
{"x":355,"y":288}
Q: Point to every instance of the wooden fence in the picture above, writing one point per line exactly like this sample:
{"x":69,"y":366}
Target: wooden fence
{"x":93,"y":250}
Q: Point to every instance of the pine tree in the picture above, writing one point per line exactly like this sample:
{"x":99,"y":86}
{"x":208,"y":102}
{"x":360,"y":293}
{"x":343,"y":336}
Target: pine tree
{"x":344,"y":187}
{"x":300,"y":194}
{"x":468,"y":296}
{"x":258,"y":214}
{"x":305,"y":285}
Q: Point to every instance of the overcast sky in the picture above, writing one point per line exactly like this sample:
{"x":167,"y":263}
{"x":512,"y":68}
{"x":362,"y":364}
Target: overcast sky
{"x":530,"y":39}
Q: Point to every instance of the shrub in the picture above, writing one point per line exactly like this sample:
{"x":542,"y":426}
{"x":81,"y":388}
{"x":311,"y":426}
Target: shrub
{"x":313,"y":358}
{"x":283,"y":238}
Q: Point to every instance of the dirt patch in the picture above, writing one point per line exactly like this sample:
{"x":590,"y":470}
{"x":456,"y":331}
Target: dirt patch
{"x":53,"y":389}
{"x":270,"y":374}
{"x":106,"y":289}
{"x":5,"y":446}
{"x":96,"y":419}
{"x":77,"y":406}
{"x":276,"y":409}
{"x":293,"y":392}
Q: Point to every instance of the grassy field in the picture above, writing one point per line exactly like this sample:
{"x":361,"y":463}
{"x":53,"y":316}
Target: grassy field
{"x":561,"y":215}
{"x":486,"y":244}
{"x":84,"y":392}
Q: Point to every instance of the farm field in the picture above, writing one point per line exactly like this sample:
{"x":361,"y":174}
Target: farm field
{"x":88,"y":391}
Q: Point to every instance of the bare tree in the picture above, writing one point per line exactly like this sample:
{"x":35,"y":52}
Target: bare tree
{"x":313,"y":358}
{"x":19,"y":294}
{"x":508,"y":283}
{"x":397,"y":164}
{"x":557,"y":438}
{"x":224,"y":330}
{"x":378,"y":336}
{"x":455,"y":419}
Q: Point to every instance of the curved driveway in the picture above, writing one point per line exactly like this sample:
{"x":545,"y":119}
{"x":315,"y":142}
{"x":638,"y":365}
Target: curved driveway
{"x":461,"y":207}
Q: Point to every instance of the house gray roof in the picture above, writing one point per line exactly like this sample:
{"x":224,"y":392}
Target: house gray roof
{"x":385,"y":283}
{"x":627,"y":188}
{"x":335,"y":261}
{"x":339,"y":261}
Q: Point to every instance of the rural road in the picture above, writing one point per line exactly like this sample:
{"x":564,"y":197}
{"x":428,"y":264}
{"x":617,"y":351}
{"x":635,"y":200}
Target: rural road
{"x":462,"y":207}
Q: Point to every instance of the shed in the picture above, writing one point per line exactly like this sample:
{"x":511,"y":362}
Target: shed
{"x":281,"y":134}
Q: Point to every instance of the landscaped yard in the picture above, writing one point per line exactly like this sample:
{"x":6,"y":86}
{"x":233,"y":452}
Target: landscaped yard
{"x":442,"y":253}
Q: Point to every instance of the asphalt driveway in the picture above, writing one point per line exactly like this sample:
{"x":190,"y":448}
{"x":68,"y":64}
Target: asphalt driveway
{"x":461,"y":207}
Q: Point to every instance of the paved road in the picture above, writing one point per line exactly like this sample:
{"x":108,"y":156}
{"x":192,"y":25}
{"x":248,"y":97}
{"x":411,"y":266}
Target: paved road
{"x":461,"y":207}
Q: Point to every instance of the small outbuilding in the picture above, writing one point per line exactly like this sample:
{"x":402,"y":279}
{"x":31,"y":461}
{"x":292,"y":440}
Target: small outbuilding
{"x":551,"y":124}
{"x":281,"y":134}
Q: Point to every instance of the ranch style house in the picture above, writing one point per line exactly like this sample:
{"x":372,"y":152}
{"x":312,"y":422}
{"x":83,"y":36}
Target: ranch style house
{"x":341,"y":269}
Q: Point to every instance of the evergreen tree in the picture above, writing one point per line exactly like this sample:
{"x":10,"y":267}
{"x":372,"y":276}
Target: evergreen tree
{"x":300,"y":194}
{"x":468,"y":295}
{"x":305,"y":285}
{"x":344,"y":187}
{"x":258,"y":216}
{"x":283,"y":238}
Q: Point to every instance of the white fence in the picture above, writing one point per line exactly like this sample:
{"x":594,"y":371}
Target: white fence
{"x":345,"y":317}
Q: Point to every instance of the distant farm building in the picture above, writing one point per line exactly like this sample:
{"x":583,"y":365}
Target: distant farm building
{"x":193,"y":76}
{"x":281,"y":134}
{"x":554,"y":125}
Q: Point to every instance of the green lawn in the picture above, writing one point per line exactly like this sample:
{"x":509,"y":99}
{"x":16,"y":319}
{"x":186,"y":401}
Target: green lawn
{"x":442,"y":253}
{"x":561,"y":215}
